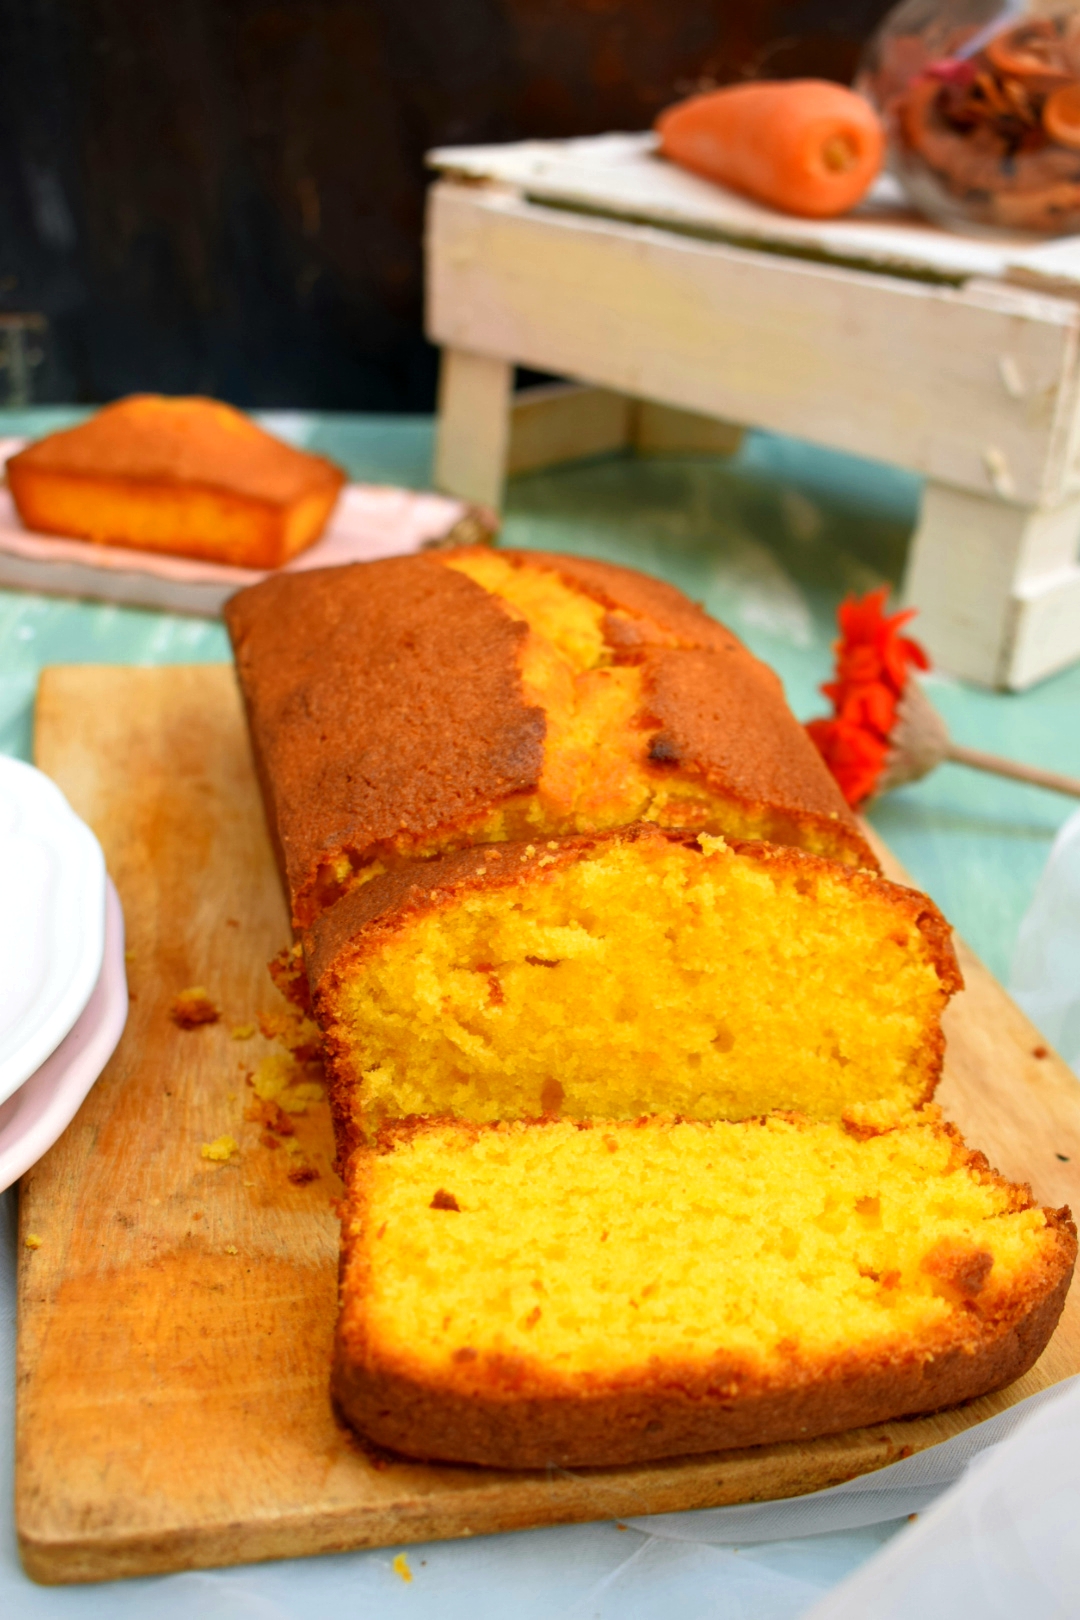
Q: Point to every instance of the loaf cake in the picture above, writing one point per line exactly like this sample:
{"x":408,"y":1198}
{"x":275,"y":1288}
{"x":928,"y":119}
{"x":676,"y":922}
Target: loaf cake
{"x":631,"y":1046}
{"x":628,"y":972}
{"x":639,"y":1158}
{"x":571,"y":1294}
{"x":403,"y":708}
{"x":188,"y":476}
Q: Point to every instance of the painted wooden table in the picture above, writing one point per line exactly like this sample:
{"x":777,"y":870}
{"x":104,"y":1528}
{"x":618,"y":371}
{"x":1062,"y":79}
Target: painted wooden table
{"x":769,"y":539}
{"x":957,"y":358}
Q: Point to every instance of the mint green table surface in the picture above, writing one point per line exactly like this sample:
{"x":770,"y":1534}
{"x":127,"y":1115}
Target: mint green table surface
{"x":769,"y":542}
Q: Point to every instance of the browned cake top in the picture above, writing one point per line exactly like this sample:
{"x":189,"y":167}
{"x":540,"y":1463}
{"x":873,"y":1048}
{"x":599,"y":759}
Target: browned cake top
{"x":645,"y":598}
{"x":388,"y":707}
{"x":382,"y":697}
{"x":182,"y":441}
{"x":718,"y":709}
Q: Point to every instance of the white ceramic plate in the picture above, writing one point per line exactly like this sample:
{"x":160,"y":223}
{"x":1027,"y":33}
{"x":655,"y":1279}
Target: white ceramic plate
{"x":52,"y":922}
{"x":43,"y":1107}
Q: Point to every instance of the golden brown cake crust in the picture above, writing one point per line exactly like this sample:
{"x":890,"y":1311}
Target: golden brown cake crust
{"x":380,"y":697}
{"x":386,"y":707}
{"x":682,"y":1412}
{"x":191,"y":441}
{"x":503,"y":1412}
{"x":725,"y":719}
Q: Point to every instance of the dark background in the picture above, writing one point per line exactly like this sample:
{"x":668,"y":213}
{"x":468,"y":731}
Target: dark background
{"x":226,"y":196}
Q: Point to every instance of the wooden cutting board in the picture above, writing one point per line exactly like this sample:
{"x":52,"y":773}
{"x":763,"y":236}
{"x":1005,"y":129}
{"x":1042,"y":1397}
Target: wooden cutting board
{"x":175,"y":1323}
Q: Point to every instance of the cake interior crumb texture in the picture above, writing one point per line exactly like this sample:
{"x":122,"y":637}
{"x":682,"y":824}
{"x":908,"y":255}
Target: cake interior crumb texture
{"x":641,"y":975}
{"x":771,"y":1237}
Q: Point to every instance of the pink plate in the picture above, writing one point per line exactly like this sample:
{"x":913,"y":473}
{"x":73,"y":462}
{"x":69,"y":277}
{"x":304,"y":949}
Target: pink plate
{"x":43,"y":1107}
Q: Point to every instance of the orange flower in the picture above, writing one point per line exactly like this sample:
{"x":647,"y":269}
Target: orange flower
{"x":872,"y":663}
{"x":856,"y":757}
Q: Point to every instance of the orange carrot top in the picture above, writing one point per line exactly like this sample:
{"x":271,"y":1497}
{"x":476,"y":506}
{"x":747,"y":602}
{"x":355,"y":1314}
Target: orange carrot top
{"x":802,"y":145}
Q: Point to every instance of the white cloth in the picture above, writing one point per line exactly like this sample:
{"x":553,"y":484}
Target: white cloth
{"x":1004,"y":1544}
{"x":890,"y":1493}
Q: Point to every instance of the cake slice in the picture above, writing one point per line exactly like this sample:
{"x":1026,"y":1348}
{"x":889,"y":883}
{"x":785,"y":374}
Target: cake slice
{"x":624,"y":973}
{"x":403,"y":708}
{"x":189,"y":476}
{"x":555,"y":1293}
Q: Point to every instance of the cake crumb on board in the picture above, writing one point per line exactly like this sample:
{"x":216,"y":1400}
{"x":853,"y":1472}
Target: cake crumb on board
{"x":401,"y":1567}
{"x":221,"y":1150}
{"x":194,"y":1007}
{"x":280,"y":1079}
{"x":286,"y":1082}
{"x":301,"y":1174}
{"x":270,"y":1114}
{"x":31,"y":1241}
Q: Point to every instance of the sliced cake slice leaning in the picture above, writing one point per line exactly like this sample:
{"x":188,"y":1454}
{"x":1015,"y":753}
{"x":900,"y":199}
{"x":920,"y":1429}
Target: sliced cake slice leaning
{"x":554,"y":1292}
{"x":633,"y":972}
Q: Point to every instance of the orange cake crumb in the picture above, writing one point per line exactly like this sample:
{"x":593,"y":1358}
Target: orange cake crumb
{"x":303,"y":1173}
{"x":221,"y":1149}
{"x":194,"y":1007}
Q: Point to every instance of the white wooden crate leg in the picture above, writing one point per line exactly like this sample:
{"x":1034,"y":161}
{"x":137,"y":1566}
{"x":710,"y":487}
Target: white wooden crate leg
{"x":997,"y":586}
{"x":1044,"y":633}
{"x":473,"y":426}
{"x":557,"y":422}
{"x":665,"y":430}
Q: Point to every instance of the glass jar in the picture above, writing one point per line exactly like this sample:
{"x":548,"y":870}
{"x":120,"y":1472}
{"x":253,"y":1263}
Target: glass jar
{"x":981,"y":102}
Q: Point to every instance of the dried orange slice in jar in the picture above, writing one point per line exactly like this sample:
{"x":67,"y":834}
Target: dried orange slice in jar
{"x":1032,"y":52}
{"x":1061,"y":116}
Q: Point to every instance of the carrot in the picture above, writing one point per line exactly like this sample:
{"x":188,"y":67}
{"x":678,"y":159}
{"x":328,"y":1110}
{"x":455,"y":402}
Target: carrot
{"x":803,"y":145}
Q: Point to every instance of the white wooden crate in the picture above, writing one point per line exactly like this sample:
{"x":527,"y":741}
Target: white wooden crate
{"x":957,"y":357}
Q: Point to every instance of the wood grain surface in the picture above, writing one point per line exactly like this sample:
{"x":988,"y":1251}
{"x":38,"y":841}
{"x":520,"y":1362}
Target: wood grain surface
{"x":175,"y":1323}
